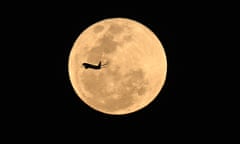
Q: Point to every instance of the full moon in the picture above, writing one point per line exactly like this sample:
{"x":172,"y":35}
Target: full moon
{"x":129,"y":66}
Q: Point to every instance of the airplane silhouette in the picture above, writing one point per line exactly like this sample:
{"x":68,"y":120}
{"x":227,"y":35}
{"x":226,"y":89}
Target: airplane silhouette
{"x":87,"y":65}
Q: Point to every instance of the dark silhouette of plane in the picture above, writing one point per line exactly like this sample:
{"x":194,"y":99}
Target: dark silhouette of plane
{"x":97,"y":67}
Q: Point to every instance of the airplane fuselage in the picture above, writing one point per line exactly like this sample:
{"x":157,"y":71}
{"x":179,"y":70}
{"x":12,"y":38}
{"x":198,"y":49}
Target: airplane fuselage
{"x":87,"y":65}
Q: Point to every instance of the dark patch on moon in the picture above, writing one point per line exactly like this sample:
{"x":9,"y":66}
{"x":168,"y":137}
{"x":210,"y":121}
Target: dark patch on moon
{"x":142,"y":90}
{"x":98,"y":29}
{"x":127,"y":38}
{"x":106,"y":46}
{"x":94,"y":55}
{"x":116,"y":29}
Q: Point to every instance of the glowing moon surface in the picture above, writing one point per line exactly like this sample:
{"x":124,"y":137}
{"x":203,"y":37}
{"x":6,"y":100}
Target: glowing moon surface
{"x":134,"y":71}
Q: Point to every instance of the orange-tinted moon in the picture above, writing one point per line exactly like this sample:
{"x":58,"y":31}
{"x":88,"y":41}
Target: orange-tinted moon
{"x":135,"y":70}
